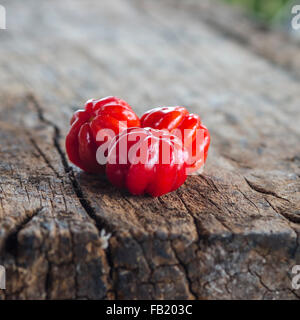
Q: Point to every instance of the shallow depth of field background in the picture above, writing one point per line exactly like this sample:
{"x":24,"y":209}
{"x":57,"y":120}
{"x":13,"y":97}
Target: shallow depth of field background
{"x":271,"y":12}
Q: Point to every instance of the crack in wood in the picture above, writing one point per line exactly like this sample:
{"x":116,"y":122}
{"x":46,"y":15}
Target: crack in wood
{"x":11,"y":243}
{"x":262,"y":190}
{"x":71,"y":175}
{"x":42,"y":154}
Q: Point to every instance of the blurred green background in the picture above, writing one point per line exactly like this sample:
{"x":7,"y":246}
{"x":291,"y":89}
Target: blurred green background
{"x":265,"y":10}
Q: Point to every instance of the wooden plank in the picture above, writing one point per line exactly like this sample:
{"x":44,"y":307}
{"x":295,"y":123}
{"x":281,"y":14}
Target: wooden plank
{"x":232,"y":232}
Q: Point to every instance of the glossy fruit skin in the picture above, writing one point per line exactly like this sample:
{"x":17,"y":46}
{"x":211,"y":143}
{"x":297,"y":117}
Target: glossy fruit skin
{"x":81,"y":141}
{"x":153,"y":177}
{"x":178,"y":118}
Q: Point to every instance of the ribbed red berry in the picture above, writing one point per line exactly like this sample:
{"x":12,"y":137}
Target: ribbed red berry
{"x":86,"y":125}
{"x":146,"y":161}
{"x":195,"y":136}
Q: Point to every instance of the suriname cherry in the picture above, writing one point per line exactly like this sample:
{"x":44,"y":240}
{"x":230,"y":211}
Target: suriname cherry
{"x":83,"y":140}
{"x":187,"y":126}
{"x":150,"y":162}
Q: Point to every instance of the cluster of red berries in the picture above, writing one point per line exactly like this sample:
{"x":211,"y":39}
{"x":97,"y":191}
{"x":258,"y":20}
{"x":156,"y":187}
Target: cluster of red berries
{"x":153,"y":154}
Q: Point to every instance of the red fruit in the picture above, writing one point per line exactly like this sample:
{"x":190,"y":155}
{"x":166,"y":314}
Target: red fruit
{"x":145,"y":160}
{"x":177,"y":119}
{"x":88,"y":124}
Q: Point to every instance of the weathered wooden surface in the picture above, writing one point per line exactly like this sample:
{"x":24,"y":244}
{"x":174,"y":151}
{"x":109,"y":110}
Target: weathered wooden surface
{"x":230,"y":233}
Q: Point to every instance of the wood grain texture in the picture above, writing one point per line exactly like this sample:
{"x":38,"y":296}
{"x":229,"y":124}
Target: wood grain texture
{"x":230,"y":233}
